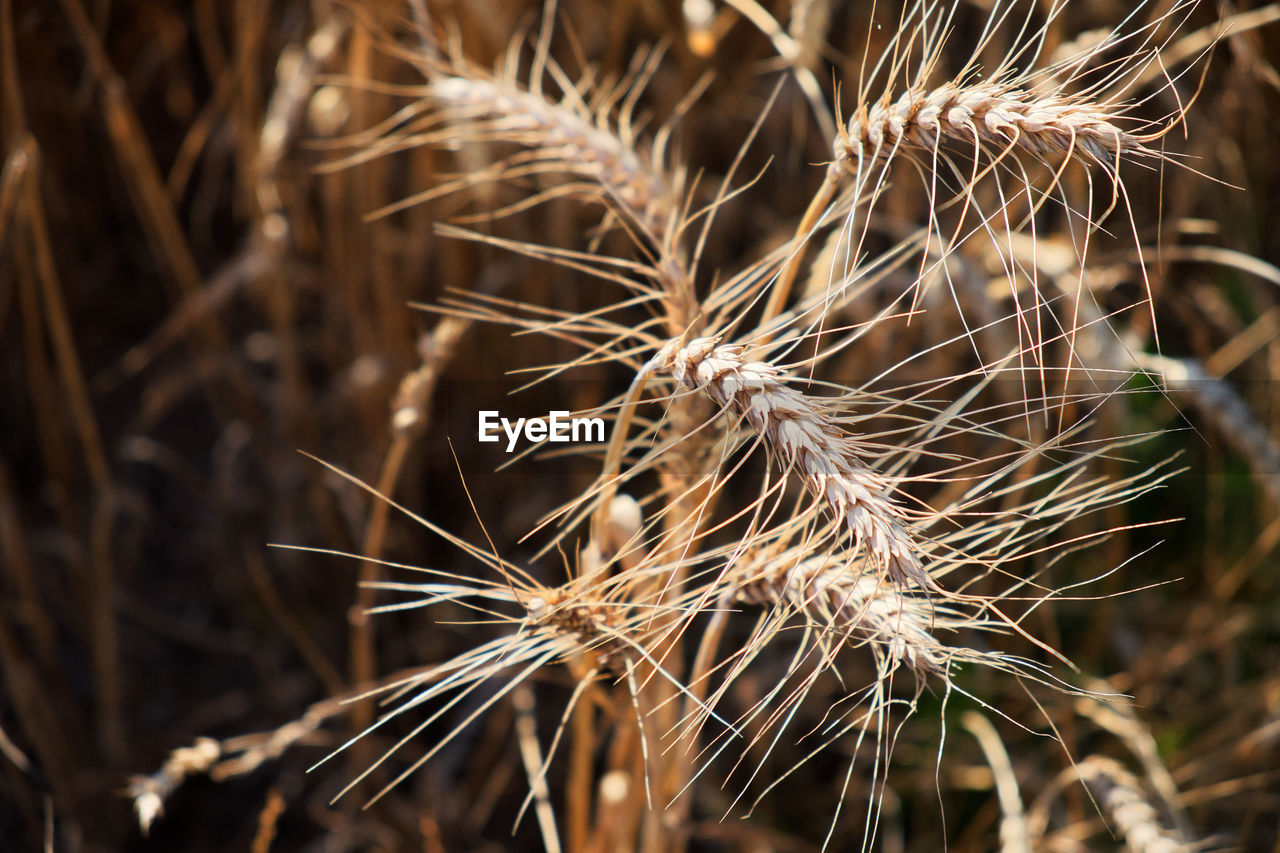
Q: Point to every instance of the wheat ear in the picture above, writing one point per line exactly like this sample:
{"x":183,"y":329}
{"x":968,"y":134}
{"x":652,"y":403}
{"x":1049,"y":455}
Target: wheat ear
{"x":842,"y":596}
{"x":563,"y":137}
{"x":808,"y":441}
{"x":988,"y":114}
{"x":1134,"y":816}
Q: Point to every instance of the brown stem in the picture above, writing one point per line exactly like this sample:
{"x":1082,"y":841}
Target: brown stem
{"x":787,"y":276}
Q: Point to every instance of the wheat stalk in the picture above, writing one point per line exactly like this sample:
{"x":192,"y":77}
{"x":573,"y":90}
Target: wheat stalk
{"x":1121,"y":795}
{"x":1014,"y":834}
{"x":562,"y":137}
{"x":1073,"y":106}
{"x":587,"y":133}
{"x":1006,"y":116}
{"x":995,"y":115}
{"x":842,"y":596}
{"x":808,"y":441}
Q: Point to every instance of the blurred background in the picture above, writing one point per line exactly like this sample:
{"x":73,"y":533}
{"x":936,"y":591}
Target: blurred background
{"x":191,"y":293}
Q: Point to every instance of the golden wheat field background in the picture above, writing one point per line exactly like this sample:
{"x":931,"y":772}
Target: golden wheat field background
{"x":924,"y":356}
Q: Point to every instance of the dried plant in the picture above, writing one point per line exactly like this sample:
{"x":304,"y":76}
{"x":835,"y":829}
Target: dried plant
{"x":808,"y":442}
{"x":866,"y":299}
{"x":650,"y":608}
